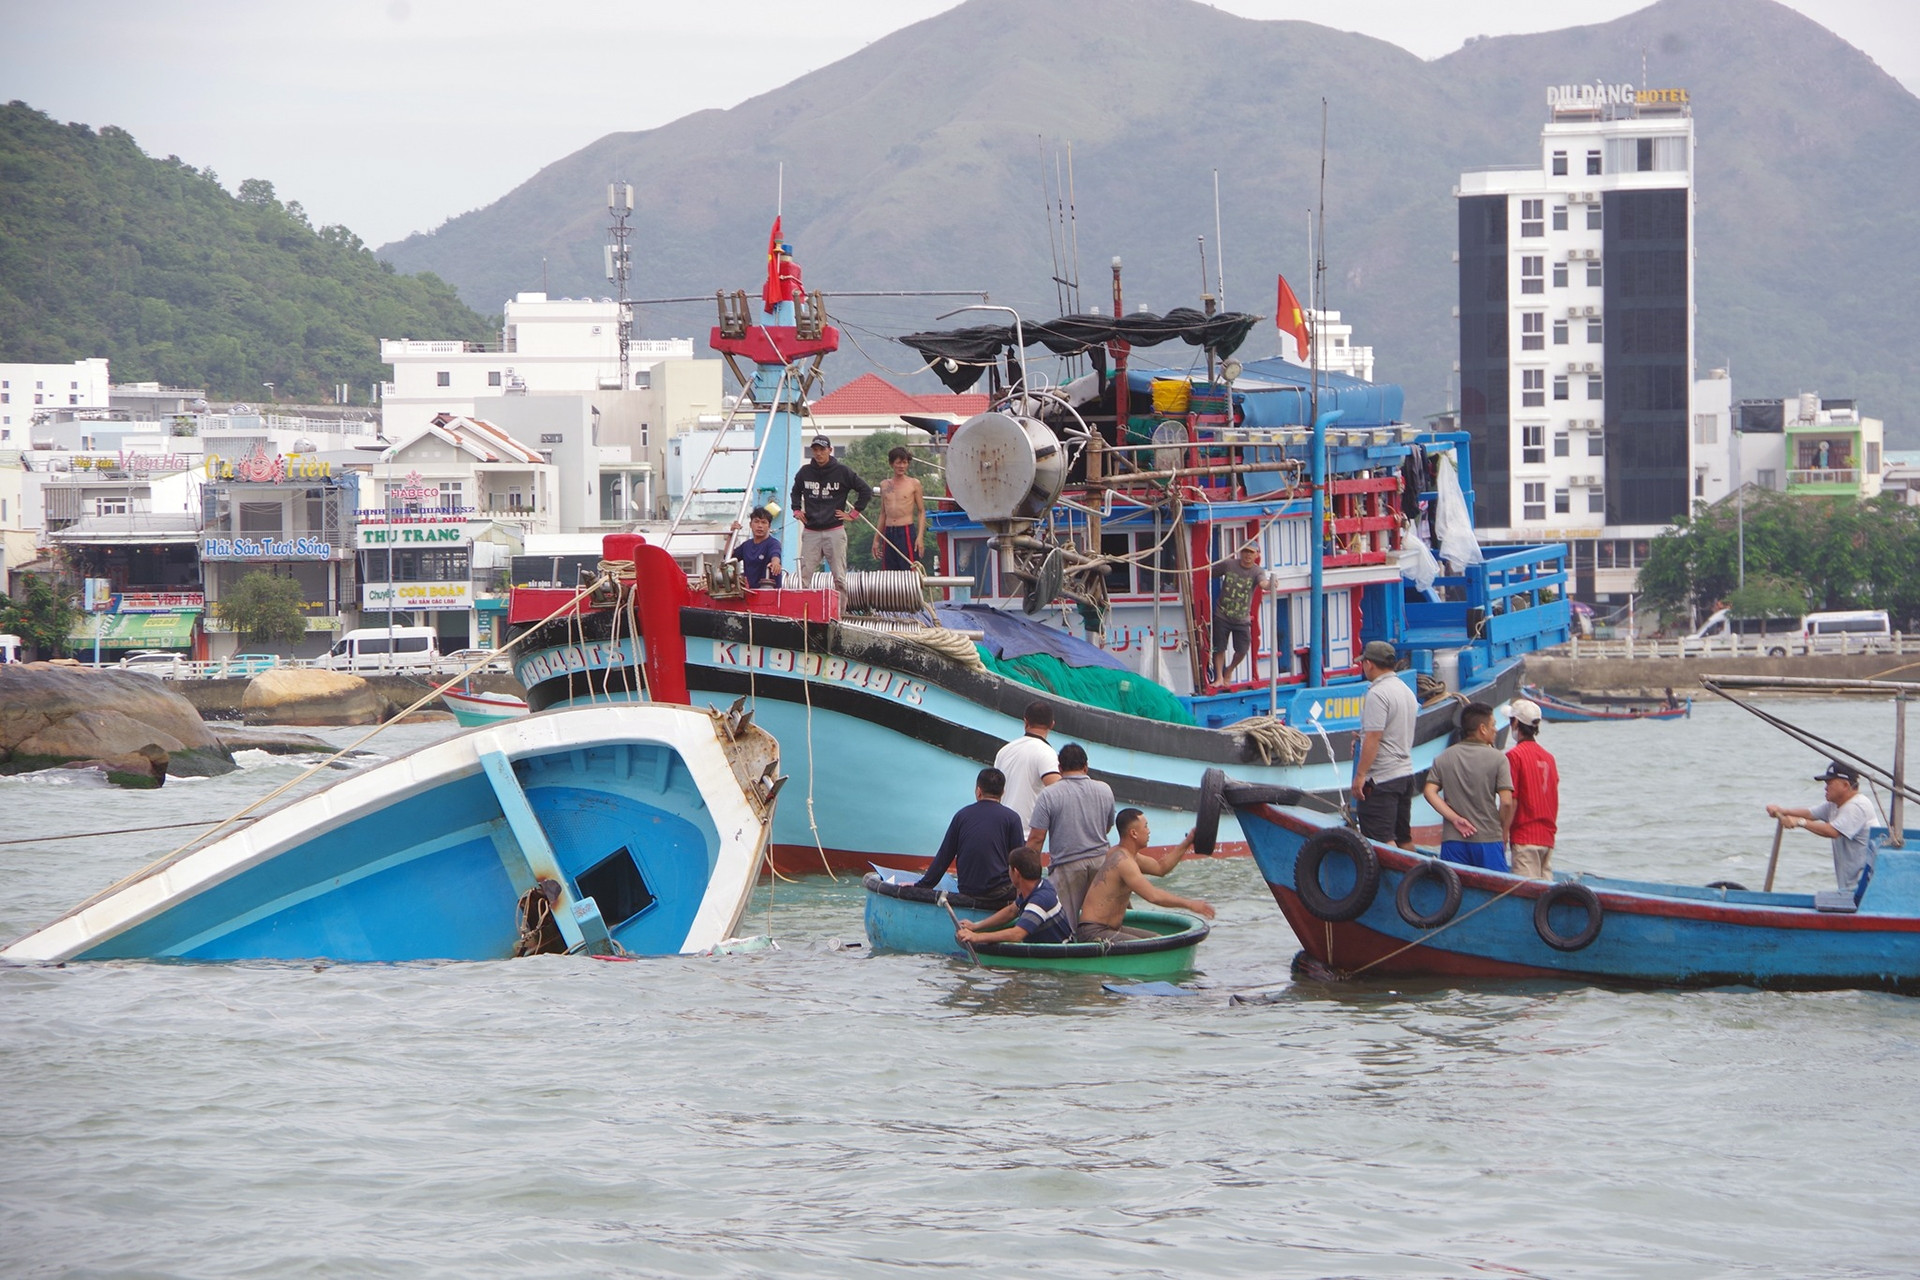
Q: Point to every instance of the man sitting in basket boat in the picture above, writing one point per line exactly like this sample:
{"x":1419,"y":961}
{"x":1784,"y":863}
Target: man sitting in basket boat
{"x":1122,"y":874}
{"x":1035,"y":910}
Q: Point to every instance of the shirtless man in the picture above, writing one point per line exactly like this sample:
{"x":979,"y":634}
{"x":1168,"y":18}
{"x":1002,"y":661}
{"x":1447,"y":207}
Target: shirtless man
{"x":903,"y":515}
{"x":1123,"y":874}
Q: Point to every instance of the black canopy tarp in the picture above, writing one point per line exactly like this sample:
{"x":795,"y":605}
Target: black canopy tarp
{"x":973,"y":349}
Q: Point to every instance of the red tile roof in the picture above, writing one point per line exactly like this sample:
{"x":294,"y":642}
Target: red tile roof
{"x":871,"y":394}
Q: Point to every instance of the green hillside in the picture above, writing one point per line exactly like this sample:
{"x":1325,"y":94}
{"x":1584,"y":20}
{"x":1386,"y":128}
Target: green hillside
{"x":917,"y":163}
{"x":106,"y":251}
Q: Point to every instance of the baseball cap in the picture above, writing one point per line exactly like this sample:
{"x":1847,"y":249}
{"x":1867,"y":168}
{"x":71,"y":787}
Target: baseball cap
{"x":821,"y":442}
{"x":1524,"y":711}
{"x":1835,"y":769}
{"x":1380,"y":653}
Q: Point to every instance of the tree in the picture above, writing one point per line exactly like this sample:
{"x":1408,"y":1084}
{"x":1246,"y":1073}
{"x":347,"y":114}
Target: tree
{"x":868,"y":458}
{"x":264,"y":609}
{"x":43,"y":620}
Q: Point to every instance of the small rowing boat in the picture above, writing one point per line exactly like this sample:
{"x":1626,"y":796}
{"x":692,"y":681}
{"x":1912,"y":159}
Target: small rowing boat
{"x":1565,"y":711}
{"x":904,"y":917}
{"x":473,"y":708}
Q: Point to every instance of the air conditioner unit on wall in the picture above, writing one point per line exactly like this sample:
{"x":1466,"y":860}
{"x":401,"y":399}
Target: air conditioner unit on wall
{"x":1589,"y":367}
{"x":1592,"y":424}
{"x":1591,"y":254}
{"x":1573,"y":313}
{"x":1591,"y":311}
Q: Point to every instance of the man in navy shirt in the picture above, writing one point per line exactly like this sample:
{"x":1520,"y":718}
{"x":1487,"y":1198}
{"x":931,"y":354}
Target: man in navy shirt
{"x":978,"y":840}
{"x":759,"y":556}
{"x":1035,"y":910}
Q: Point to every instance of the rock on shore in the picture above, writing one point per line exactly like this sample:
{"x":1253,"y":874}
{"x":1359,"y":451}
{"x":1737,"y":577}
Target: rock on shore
{"x":132,"y":726}
{"x":298,"y":696}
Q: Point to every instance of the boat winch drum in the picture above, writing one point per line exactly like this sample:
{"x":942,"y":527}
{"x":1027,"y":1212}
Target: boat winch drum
{"x":1553,"y":909}
{"x":1410,"y":884}
{"x":1352,"y":865}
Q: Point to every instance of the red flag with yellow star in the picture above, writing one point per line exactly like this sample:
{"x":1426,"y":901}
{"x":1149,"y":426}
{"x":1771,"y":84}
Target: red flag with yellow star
{"x":1291,"y":319}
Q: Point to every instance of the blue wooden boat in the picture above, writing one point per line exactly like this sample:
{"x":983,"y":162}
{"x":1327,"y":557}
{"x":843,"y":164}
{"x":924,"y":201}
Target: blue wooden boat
{"x":902,"y":917}
{"x":635,"y":829}
{"x":472,"y":708}
{"x":1363,"y":909}
{"x":1566,"y":711}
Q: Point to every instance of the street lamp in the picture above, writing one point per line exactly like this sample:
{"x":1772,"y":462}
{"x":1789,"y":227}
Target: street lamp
{"x":269,"y":387}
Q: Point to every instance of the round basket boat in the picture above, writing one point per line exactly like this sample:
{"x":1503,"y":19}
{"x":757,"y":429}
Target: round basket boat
{"x":907,"y":918}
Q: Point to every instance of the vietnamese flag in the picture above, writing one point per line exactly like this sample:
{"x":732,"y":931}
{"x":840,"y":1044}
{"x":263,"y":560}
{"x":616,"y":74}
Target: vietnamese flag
{"x":1291,"y":319}
{"x":771,"y":292}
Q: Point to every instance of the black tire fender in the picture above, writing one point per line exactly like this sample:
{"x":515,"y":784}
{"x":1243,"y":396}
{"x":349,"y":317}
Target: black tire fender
{"x":1567,"y":893}
{"x":1341,"y":842}
{"x":1450,"y":890}
{"x":1206,"y":828}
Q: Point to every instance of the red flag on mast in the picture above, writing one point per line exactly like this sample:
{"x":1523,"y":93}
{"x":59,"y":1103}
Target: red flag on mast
{"x":770,"y":292}
{"x":1288,"y":315}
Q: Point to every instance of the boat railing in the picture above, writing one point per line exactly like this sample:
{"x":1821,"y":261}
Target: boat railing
{"x":1756,"y":646}
{"x":1514,"y":602}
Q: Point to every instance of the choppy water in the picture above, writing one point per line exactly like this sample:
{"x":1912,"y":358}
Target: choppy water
{"x":820,"y":1112}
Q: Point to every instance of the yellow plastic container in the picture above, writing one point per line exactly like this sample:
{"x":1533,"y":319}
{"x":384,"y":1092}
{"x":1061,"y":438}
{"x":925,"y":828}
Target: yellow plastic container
{"x":1170,"y":395}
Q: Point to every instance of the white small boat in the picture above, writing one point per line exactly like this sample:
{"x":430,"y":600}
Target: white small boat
{"x":631,"y":828}
{"x":473,"y":708}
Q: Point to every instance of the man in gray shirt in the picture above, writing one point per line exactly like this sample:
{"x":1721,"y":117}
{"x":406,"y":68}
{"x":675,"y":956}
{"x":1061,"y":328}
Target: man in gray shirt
{"x":1846,"y":818}
{"x":1471,"y":786}
{"x":1074,"y":815}
{"x":1383,"y":767}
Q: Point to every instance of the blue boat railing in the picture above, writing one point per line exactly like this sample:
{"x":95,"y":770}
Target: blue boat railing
{"x":1513,"y":603}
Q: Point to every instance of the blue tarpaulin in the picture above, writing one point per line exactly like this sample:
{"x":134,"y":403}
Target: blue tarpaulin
{"x":1013,"y":635}
{"x":1276,"y":393}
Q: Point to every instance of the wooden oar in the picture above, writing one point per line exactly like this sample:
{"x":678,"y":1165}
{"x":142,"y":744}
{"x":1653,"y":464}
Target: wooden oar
{"x":969,"y":946}
{"x":1779,"y":829}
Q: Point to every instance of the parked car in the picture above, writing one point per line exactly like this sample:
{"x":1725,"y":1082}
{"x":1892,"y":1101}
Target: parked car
{"x":157,"y":663}
{"x":249,"y":664}
{"x":459,"y":660}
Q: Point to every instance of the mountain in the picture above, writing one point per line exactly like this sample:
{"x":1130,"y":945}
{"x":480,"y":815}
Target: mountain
{"x":918,"y":163}
{"x":106,"y":251}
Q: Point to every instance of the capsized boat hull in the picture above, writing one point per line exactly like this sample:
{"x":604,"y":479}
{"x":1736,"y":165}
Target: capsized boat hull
{"x":1559,"y":711}
{"x":650,"y":820}
{"x":900,"y":918}
{"x":1648,"y":934}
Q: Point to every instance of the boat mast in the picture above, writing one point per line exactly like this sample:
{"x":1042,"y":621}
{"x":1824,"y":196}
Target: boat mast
{"x":1317,"y":594}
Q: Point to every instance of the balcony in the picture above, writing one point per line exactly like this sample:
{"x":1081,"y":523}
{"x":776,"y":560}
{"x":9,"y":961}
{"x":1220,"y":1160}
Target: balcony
{"x":1823,"y":480}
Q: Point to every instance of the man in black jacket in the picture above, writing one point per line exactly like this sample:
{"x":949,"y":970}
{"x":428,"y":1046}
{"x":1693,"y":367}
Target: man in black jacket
{"x":820,"y":490}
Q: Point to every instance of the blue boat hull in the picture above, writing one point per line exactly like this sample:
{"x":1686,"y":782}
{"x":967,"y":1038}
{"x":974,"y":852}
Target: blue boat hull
{"x":1648,"y":933}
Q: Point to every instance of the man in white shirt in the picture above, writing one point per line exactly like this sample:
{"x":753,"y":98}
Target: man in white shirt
{"x":1846,"y":818}
{"x":1029,"y":763}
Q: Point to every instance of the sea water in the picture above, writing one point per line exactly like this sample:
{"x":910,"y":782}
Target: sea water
{"x":818,"y":1111}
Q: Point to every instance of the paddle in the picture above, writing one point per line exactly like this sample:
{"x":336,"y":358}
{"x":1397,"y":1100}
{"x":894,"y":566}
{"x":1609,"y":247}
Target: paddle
{"x":956,"y":927}
{"x":1779,"y":829}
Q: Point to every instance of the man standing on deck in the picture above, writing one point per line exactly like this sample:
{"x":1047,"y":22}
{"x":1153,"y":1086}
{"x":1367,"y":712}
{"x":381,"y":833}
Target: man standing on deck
{"x":1029,"y":762}
{"x":820,"y":489}
{"x":1471,"y":785}
{"x":977,"y":843}
{"x":1233,"y":611}
{"x":1075,"y":813}
{"x":1846,"y":818}
{"x":1123,"y":873}
{"x":1536,"y":796}
{"x":903,"y":515}
{"x":1383,"y":768}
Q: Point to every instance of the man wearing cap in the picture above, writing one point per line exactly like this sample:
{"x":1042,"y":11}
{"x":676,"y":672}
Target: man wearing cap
{"x":1845,"y":818}
{"x":1536,"y":796}
{"x":1383,"y":769}
{"x":820,"y":489}
{"x":1233,"y":611}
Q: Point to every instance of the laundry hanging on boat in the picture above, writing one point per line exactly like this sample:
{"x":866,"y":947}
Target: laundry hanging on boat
{"x":1454,"y":521}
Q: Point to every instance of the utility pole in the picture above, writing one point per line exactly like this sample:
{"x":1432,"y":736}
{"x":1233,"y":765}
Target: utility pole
{"x":619,"y":266}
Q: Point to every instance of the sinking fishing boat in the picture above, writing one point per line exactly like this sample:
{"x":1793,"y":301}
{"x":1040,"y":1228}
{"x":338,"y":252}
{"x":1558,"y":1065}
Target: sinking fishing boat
{"x":475,"y":707}
{"x":1567,"y":711}
{"x":1080,"y":529}
{"x":902,"y":917}
{"x":606,"y":830}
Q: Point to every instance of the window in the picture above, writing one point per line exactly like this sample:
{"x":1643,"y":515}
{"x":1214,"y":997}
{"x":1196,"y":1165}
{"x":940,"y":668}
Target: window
{"x":1593,"y":217}
{"x":1596,"y":390}
{"x":1533,"y":501}
{"x":1593,"y":273}
{"x":450,"y":493}
{"x":1559,"y":217}
{"x":1562,"y":501}
{"x":73,"y":386}
{"x":1562,"y":445}
{"x":1595,"y":333}
{"x":493,"y":377}
{"x":1596,"y":445}
{"x":1764,"y":478}
{"x":1559,"y":275}
{"x":443,"y":379}
{"x":1593,"y":162}
{"x":1559,"y":164}
{"x":1559,"y":333}
{"x":1533,"y":331}
{"x":516,"y":498}
{"x":1530,"y":273}
{"x":115,"y":506}
{"x":1706,"y":428}
{"x":1559,"y":386}
{"x":643,"y":379}
{"x":6,"y":397}
{"x":1533,"y":387}
{"x":38,"y":398}
{"x":644,"y":433}
{"x":1532,"y":217}
{"x":1597,"y":501}
{"x":73,"y":399}
{"x":1699,"y":484}
{"x":1533,"y":449}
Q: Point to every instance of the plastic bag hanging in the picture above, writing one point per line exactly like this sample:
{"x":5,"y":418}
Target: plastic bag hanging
{"x":1417,"y":564}
{"x":1453,"y":522}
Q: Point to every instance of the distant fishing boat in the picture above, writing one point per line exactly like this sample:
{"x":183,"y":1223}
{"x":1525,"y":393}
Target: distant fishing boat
{"x":607,"y":830}
{"x":1566,"y":711}
{"x":902,"y":917}
{"x":473,"y":708}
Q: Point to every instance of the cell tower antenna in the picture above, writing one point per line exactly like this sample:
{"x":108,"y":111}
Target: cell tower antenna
{"x":620,"y":267}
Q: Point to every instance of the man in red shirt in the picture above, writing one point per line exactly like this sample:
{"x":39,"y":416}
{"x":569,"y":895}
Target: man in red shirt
{"x":1536,"y":796}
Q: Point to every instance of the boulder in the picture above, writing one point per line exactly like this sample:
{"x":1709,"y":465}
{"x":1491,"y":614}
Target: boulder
{"x":296,"y":696}
{"x":278,"y":742}
{"x":54,"y":714}
{"x":142,"y":769}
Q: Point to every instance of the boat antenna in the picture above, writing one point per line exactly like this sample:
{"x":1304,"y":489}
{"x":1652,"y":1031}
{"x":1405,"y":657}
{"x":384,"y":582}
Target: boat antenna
{"x":1202,"y":240}
{"x":1319,"y":284}
{"x":1219,"y":246}
{"x":1073,"y":228}
{"x":1053,"y":238}
{"x":780,"y":190}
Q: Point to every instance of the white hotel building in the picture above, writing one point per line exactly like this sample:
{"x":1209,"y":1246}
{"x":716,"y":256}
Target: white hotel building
{"x":1576,"y":323}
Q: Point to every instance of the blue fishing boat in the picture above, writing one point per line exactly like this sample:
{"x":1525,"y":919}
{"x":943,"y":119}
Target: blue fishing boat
{"x":902,"y":917}
{"x":605,"y":830}
{"x":472,"y":708}
{"x":1567,"y":711}
{"x":1364,"y":909}
{"x":1079,"y":536}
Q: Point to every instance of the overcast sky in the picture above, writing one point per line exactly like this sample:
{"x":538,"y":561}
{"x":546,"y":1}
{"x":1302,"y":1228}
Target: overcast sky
{"x":393,"y":115}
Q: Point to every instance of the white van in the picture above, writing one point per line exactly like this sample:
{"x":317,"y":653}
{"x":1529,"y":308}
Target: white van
{"x":1855,"y":631}
{"x":1722,"y":632}
{"x":384,"y":649}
